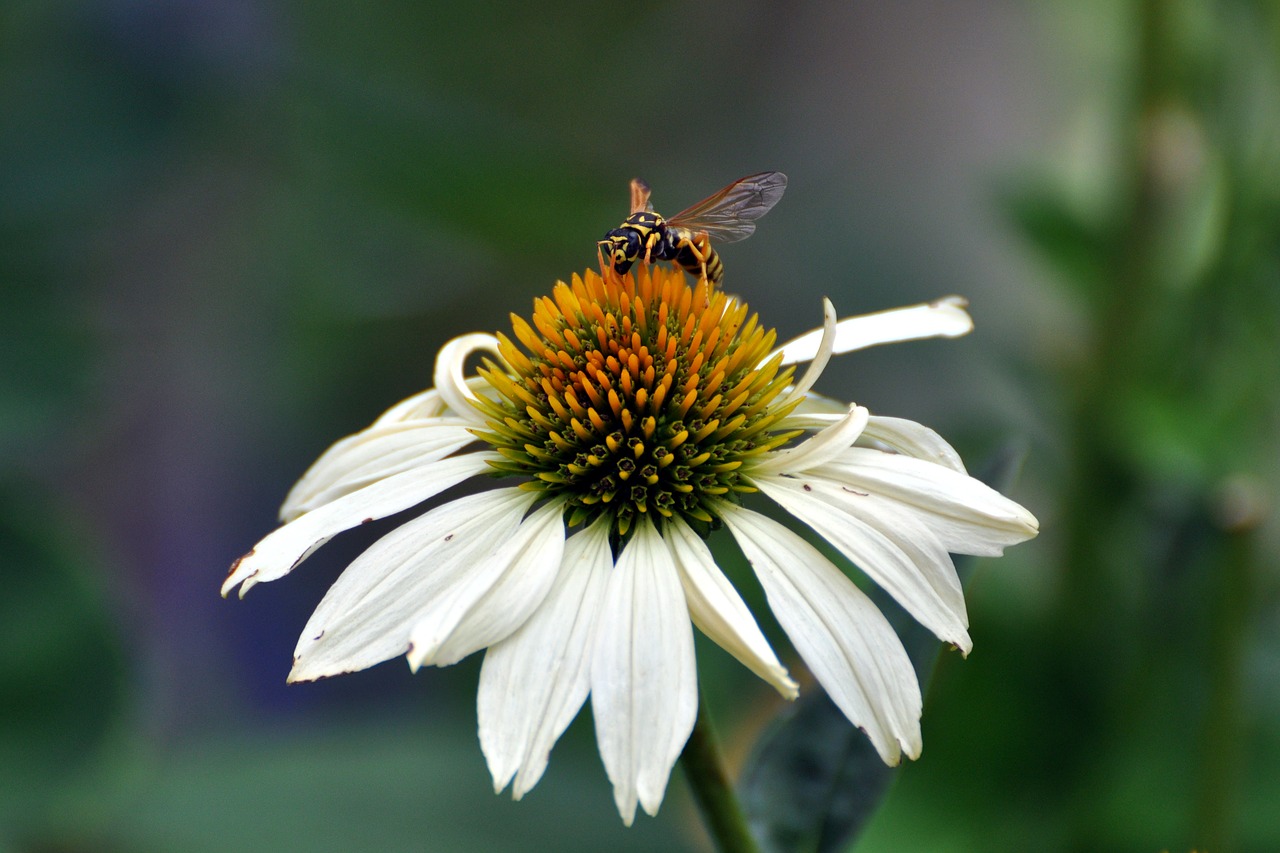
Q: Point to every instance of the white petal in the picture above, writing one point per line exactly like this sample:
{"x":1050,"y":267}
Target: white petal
{"x":897,"y":552}
{"x":842,"y":636}
{"x":533,"y":683}
{"x":822,"y":447}
{"x":913,"y":439}
{"x":449,"y":378}
{"x":497,"y":595}
{"x":367,"y":615}
{"x":944,"y":317}
{"x":371,"y":455}
{"x":969,"y":516}
{"x":285,"y":547}
{"x":815,"y":403}
{"x":818,"y":361}
{"x":644,"y":688}
{"x":718,"y":610}
{"x":426,"y":404}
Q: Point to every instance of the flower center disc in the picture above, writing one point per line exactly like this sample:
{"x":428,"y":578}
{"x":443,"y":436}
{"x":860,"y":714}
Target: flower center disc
{"x":634,"y":394}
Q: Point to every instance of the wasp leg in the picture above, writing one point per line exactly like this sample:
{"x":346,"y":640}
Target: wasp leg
{"x":698,"y":245}
{"x":650,"y":243}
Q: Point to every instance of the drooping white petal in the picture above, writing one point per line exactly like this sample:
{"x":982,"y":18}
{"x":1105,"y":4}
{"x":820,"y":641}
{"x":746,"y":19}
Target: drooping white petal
{"x":944,"y":318}
{"x":913,"y":439}
{"x":284,"y":548}
{"x":449,"y":378}
{"x":846,"y":641}
{"x":533,"y":682}
{"x":818,"y":360}
{"x":823,"y":446}
{"x":817,"y":412}
{"x":644,"y":689}
{"x":969,"y":516}
{"x":904,"y":558}
{"x":718,"y":610}
{"x":367,"y":615}
{"x":371,"y":455}
{"x":905,"y":531}
{"x":496,"y":596}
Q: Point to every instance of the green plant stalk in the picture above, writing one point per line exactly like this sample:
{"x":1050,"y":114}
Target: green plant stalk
{"x":1222,"y":735}
{"x":1098,"y":487}
{"x":704,"y":768}
{"x":1104,"y":482}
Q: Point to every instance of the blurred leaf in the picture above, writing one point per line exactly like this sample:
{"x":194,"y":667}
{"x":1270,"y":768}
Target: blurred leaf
{"x":1074,"y":246}
{"x":813,"y":782}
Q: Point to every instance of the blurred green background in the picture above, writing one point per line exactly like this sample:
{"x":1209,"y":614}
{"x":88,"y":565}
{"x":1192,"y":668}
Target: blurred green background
{"x":232,"y":231}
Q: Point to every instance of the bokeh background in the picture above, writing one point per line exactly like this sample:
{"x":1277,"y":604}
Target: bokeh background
{"x":232,"y":231}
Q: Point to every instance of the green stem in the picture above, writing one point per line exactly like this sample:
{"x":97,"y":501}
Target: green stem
{"x":1104,"y":485}
{"x":704,"y":768}
{"x":1222,"y":734}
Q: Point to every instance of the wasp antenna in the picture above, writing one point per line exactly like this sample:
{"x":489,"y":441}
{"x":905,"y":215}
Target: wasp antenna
{"x":640,"y":196}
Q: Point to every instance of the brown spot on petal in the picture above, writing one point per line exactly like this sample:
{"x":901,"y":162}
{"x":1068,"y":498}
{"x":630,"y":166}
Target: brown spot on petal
{"x":237,"y":563}
{"x":807,"y":487}
{"x":854,"y":491}
{"x":447,"y":538}
{"x":366,"y":521}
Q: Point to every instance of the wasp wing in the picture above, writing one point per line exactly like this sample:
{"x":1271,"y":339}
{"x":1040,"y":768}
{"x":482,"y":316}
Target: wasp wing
{"x":730,"y":214}
{"x":640,"y":196}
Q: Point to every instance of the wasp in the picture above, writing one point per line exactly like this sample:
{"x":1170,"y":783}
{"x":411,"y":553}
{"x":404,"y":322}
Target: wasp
{"x":726,"y":216}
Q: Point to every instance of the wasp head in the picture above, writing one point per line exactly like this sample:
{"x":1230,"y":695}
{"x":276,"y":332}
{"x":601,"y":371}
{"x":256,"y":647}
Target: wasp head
{"x":621,"y":247}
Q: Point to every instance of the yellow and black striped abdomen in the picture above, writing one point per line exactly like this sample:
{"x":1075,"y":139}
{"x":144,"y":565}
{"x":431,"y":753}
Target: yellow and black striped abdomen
{"x":693,"y":252}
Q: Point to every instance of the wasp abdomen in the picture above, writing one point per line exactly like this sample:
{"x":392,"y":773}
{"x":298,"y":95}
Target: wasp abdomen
{"x":695,"y":255}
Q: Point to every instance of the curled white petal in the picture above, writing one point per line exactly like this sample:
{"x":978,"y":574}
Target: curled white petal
{"x":846,"y":641}
{"x":644,"y":689}
{"x":449,"y":378}
{"x":533,"y":683}
{"x":817,"y":361}
{"x":368,"y":614}
{"x":284,"y":548}
{"x":945,"y":318}
{"x":718,"y":610}
{"x":825,"y":445}
{"x":898,"y":553}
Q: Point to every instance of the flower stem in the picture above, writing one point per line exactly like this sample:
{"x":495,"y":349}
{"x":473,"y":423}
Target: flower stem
{"x":1222,"y":733}
{"x":704,"y":768}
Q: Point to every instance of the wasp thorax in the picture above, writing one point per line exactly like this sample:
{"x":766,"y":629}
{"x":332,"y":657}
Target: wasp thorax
{"x":632,"y":396}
